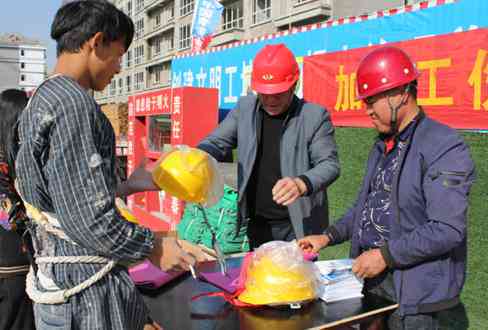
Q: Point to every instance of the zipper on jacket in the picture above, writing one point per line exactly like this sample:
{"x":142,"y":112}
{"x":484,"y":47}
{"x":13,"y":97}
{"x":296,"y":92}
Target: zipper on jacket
{"x":452,"y":173}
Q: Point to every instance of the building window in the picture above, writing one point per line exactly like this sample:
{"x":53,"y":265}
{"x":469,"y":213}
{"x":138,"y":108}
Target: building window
{"x":121,"y":86}
{"x":168,"y":42}
{"x":22,"y":65}
{"x":139,"y":5}
{"x":139,"y":56}
{"x":186,"y":7}
{"x":261,"y":11}
{"x":232,"y":16}
{"x":157,"y":74}
{"x":129,"y":8}
{"x":22,"y":77}
{"x":139,"y":28}
{"x":157,"y":20}
{"x":113,"y":87}
{"x":128,"y":84}
{"x":185,"y":36}
{"x":157,"y":47}
{"x":138,"y":81}
{"x":22,"y":52}
{"x":128,"y":59}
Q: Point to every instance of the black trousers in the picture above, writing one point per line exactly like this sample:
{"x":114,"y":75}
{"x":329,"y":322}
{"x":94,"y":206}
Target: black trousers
{"x":16,"y":311}
{"x":261,"y":230}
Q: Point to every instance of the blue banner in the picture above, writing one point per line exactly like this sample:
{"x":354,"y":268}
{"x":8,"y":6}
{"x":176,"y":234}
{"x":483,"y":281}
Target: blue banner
{"x":206,"y":17}
{"x":229,"y":70}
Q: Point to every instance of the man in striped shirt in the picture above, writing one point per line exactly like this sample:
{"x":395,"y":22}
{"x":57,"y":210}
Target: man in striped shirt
{"x":66,"y":168}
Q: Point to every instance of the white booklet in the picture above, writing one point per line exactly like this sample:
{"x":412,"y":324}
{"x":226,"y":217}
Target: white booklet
{"x":338,"y":280}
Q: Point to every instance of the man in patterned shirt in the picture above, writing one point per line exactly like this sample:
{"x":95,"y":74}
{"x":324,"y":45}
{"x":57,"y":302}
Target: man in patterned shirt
{"x":66,"y":169}
{"x":408,"y":225}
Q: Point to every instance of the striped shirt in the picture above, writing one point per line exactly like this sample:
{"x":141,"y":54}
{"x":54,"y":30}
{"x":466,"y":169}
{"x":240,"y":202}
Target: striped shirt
{"x":66,"y":165}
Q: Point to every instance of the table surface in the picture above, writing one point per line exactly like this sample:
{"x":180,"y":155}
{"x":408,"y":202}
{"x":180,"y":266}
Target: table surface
{"x":171,"y":306}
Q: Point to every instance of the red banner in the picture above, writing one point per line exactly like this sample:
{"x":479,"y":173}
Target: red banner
{"x":453,"y":85}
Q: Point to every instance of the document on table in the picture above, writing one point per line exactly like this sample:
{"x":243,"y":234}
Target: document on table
{"x":338,"y":281}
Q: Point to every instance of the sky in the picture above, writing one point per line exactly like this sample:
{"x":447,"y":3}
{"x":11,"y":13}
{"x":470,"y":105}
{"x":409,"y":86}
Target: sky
{"x":32,"y":19}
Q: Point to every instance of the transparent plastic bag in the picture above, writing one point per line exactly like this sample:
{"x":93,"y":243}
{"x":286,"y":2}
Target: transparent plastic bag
{"x":279,"y":275}
{"x":189,"y":174}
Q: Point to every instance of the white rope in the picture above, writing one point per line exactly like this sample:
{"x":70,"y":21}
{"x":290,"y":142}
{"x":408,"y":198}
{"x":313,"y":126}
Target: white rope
{"x":62,"y":296}
{"x":72,"y":260}
{"x":51,"y":225}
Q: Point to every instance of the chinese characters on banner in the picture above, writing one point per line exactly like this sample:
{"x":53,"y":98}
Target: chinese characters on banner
{"x":206,"y":18}
{"x":158,"y":102}
{"x":453,"y":85}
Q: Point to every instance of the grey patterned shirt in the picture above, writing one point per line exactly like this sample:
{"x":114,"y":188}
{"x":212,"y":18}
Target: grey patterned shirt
{"x":66,"y":165}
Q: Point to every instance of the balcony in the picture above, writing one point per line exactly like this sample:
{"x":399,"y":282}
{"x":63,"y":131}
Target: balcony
{"x":230,"y":35}
{"x":305,"y":11}
{"x":232,"y":27}
{"x":162,"y":57}
{"x":161,"y":29}
{"x":155,"y":4}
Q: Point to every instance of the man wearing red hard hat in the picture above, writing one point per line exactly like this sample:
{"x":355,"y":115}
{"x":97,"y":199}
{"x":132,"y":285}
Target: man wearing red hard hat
{"x":408,"y":225}
{"x":286,"y":152}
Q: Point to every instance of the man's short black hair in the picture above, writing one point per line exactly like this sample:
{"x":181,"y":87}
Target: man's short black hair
{"x":78,"y":21}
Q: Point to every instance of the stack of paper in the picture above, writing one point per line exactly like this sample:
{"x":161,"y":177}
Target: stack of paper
{"x":338,"y":280}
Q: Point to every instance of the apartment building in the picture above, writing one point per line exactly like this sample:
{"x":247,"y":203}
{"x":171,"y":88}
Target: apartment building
{"x":22,"y":62}
{"x":163,"y":29}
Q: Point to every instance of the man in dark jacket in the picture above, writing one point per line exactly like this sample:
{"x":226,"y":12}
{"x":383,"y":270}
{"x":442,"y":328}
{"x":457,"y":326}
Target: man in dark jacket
{"x":408,"y":225}
{"x":286,"y":152}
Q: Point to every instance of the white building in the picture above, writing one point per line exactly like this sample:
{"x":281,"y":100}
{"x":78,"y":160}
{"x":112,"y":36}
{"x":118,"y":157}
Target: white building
{"x":22,"y":62}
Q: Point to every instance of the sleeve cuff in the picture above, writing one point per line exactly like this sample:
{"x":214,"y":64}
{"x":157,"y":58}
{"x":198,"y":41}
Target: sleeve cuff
{"x":307,"y":182}
{"x":214,"y":152}
{"x":385,"y":252}
{"x":333,"y":235}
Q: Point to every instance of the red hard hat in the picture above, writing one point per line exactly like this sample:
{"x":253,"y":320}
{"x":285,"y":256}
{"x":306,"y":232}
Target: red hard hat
{"x":274,"y":70}
{"x":383,"y":69}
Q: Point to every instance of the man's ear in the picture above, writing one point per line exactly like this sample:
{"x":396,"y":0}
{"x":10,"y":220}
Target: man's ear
{"x":96,"y":41}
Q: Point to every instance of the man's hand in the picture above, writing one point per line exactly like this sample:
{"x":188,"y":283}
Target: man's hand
{"x":287,"y":190}
{"x":369,"y":264}
{"x":201,"y":253}
{"x":313,"y":243}
{"x":169,"y":256}
{"x":152,"y":326}
{"x":140,"y":180}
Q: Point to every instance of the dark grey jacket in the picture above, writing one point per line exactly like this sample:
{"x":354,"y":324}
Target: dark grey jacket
{"x":307,"y":148}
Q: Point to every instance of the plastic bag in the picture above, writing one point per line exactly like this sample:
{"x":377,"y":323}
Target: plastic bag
{"x":279,"y":275}
{"x":125,"y":211}
{"x":191,"y":175}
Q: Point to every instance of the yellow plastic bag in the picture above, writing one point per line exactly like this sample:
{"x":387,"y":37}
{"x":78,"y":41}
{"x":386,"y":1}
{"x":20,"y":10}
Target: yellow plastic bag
{"x":191,"y":175}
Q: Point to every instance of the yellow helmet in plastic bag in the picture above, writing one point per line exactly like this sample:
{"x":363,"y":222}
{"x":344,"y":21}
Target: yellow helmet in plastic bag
{"x":190,"y":175}
{"x":277,"y":277}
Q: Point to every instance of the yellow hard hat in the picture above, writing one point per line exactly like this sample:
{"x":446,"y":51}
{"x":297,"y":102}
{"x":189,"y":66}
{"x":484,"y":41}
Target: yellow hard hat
{"x":269,"y":283}
{"x":187,"y":174}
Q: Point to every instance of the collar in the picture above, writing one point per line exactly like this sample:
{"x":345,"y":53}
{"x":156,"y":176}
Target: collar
{"x":390,"y":142}
{"x":294,"y":104}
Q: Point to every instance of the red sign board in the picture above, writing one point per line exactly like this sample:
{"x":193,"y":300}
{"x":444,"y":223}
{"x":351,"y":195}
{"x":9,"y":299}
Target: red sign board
{"x":192,"y":114}
{"x":453,"y":85}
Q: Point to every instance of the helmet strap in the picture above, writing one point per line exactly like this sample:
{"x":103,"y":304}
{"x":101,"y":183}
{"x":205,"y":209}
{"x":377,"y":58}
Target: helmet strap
{"x":394,"y":111}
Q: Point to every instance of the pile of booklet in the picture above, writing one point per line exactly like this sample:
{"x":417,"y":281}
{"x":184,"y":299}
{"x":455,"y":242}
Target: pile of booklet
{"x":338,"y":280}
